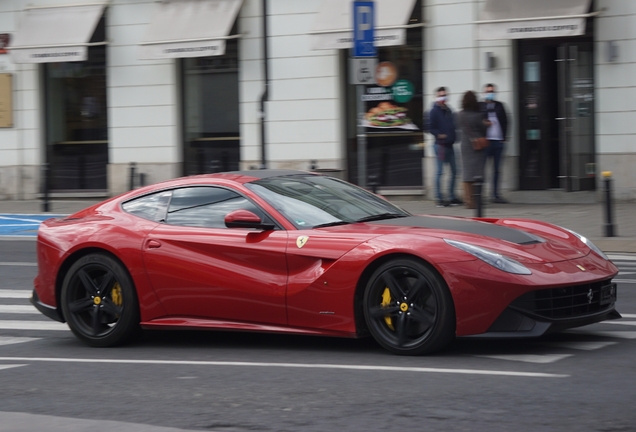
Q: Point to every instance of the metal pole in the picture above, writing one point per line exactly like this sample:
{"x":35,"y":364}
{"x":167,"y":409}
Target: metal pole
{"x":132,"y":175}
{"x":477,"y":186}
{"x":362,"y":138}
{"x":45,"y":185}
{"x":609,"y":223}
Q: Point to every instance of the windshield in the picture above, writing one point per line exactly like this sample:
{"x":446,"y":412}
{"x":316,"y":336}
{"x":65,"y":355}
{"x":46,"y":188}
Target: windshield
{"x":312,"y":201}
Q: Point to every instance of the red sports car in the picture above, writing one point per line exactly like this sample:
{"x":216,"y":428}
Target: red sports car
{"x":296,"y":252}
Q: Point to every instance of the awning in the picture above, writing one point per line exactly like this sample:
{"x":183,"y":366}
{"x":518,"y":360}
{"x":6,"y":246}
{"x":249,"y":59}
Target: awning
{"x":525,"y":19}
{"x":333,"y":26}
{"x":190,"y":28}
{"x":48,"y":34}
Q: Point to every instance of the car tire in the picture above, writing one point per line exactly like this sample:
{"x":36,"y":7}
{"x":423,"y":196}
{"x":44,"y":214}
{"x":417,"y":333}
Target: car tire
{"x":99,"y":301}
{"x":408,"y":308}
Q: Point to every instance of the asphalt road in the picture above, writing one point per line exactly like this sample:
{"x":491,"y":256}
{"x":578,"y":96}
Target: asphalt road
{"x":577,"y":380}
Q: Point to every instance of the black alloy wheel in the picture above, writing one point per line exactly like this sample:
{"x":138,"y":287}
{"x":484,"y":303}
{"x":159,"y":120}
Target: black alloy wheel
{"x":99,"y":301}
{"x":408,"y":308}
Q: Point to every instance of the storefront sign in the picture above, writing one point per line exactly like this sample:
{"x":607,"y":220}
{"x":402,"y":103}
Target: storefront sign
{"x":49,"y":55}
{"x":402,"y":91}
{"x":532,"y":29}
{"x":6,"y":101}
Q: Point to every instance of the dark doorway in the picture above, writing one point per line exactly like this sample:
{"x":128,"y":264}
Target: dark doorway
{"x":555,"y":78}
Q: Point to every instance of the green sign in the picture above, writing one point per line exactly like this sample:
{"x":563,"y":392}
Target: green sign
{"x":402,"y":91}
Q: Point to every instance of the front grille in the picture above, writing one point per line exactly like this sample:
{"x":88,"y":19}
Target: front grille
{"x":567,"y":302}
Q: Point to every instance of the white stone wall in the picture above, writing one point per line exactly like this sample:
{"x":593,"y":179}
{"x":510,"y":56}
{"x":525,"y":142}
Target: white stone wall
{"x":302,"y":115}
{"x":616,"y":95}
{"x":143,"y":112}
{"x":20,"y":150}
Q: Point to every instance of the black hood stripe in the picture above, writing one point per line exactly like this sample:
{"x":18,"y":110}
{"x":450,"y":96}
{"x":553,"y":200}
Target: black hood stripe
{"x":464,"y":225}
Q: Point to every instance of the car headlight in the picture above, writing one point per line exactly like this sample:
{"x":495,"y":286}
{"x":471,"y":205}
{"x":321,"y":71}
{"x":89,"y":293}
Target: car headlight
{"x":588,"y":243}
{"x":495,"y":259}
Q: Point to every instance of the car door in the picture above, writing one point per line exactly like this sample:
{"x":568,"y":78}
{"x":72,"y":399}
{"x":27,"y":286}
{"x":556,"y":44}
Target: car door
{"x":200,"y":268}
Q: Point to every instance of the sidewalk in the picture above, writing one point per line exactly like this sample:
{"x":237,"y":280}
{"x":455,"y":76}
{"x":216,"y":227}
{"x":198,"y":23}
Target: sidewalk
{"x":586,"y":219}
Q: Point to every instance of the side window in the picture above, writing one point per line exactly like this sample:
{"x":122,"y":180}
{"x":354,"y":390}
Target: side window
{"x":206,"y":206}
{"x":152,"y":207}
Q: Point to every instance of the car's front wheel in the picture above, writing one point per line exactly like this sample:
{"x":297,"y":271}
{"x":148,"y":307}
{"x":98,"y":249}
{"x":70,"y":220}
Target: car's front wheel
{"x":408,"y":308}
{"x":99,"y":301}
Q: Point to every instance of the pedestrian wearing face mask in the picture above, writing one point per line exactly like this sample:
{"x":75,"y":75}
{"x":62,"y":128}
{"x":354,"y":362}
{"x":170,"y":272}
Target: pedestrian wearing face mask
{"x":496,"y":134}
{"x":442,"y":127}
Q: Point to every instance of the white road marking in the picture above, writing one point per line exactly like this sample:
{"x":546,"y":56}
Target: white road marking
{"x":627,"y":323}
{"x":584,"y":346}
{"x":628,"y":315}
{"x":628,"y":281}
{"x":10,"y":366}
{"x":611,"y":334}
{"x":32,"y":325}
{"x":622,"y":257}
{"x":291,"y":366}
{"x":18,"y":264}
{"x":7,"y":340}
{"x":529,"y":358}
{"x":18,"y":309}
{"x":28,"y":221}
{"x":13,"y":294}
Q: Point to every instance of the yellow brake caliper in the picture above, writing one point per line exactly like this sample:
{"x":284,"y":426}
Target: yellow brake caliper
{"x":115,"y":295}
{"x":386,"y":301}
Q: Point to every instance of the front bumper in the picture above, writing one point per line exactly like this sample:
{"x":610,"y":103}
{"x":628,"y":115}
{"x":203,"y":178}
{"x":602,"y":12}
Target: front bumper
{"x":49,"y":311}
{"x":550,"y":310}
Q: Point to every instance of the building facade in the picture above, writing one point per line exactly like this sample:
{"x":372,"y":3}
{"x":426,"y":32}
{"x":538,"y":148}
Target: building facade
{"x":193,"y":86}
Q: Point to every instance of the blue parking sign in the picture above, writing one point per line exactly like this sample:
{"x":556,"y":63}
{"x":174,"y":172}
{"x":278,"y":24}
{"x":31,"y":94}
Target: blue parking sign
{"x":364,"y":29}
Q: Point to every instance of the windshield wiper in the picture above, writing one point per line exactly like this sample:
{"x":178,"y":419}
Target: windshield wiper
{"x":381,"y":216}
{"x":328,"y":224}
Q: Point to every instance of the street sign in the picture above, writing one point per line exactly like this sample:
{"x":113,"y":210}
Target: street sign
{"x":364,"y":29}
{"x":362,"y":70}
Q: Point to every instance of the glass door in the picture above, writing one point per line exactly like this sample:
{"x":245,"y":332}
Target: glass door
{"x":576,"y":116}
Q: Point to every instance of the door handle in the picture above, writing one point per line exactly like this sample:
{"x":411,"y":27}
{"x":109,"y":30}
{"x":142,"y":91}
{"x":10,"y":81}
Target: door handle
{"x":153,"y":244}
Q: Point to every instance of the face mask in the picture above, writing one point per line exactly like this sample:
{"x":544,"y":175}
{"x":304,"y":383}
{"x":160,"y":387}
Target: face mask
{"x":490,"y":96}
{"x":441,"y":99}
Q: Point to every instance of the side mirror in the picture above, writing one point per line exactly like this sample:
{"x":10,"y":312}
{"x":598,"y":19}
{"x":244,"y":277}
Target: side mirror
{"x":245,"y":219}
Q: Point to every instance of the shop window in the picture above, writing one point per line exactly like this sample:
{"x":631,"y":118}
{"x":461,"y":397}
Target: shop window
{"x":77,"y":120}
{"x":211,"y":112}
{"x":393,"y":114}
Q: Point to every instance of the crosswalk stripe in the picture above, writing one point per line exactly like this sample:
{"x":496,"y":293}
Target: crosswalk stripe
{"x":580,"y":345}
{"x":18,"y":264}
{"x":7,"y":340}
{"x":625,"y":323}
{"x":610,"y":334}
{"x":628,"y":315}
{"x":13,"y":294}
{"x":18,"y":309}
{"x":627,"y":281}
{"x":622,"y":257}
{"x":529,"y":358}
{"x":32,"y":325}
{"x":9,"y":366}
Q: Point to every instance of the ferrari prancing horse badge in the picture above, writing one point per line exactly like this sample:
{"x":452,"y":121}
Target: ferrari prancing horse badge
{"x":300,"y":241}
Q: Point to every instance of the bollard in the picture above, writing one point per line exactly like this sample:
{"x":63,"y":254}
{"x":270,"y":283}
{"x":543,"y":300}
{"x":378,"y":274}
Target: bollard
{"x":45,"y":186}
{"x":132,"y":175}
{"x":477,"y":187}
{"x":609,"y":223}
{"x":142,"y":179}
{"x":373,"y":182}
{"x":313,"y":164}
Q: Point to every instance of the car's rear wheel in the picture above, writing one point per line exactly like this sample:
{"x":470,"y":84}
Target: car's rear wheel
{"x":99,"y":301}
{"x":408,"y":308}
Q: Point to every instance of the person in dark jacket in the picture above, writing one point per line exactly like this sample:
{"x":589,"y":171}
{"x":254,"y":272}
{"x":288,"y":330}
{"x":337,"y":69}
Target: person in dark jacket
{"x":497,"y":134}
{"x":442,"y":127}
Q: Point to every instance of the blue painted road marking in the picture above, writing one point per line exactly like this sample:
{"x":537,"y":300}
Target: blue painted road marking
{"x":24,"y":225}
